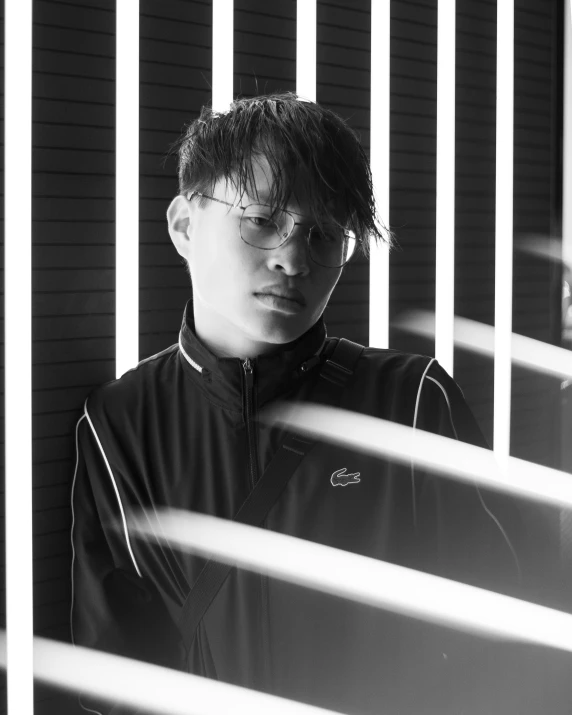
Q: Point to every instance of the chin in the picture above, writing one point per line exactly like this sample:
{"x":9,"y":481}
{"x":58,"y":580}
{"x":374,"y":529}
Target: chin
{"x":280,"y":331}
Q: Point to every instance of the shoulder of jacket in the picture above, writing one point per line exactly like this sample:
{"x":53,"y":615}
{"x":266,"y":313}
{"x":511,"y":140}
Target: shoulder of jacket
{"x":126,"y":391}
{"x":397,"y":361}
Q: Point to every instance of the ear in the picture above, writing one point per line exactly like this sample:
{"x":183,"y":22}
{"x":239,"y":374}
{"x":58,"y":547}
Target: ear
{"x":178,"y":219}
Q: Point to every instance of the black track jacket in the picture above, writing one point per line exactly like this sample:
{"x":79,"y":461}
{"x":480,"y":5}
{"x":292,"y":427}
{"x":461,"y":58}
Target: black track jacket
{"x":180,"y":430}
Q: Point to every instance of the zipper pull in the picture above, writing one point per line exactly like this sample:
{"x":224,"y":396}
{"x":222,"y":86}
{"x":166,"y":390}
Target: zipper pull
{"x":248,"y":373}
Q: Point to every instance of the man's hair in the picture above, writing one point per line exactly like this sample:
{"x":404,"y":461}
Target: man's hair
{"x":311,"y":152}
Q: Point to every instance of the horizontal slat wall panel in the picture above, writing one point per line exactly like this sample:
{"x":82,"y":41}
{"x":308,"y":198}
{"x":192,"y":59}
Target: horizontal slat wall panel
{"x":343,"y":85}
{"x":413,"y":163}
{"x":475,"y":194}
{"x":537,"y":285}
{"x":73,"y":301}
{"x":264,"y":47}
{"x":175,"y":77}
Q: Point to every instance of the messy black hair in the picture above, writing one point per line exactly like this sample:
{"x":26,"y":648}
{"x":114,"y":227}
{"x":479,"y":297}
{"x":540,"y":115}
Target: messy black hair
{"x":309,"y":149}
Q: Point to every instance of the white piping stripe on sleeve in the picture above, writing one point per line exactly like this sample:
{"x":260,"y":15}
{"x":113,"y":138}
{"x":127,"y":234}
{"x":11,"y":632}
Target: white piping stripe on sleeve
{"x":73,"y":523}
{"x":414,"y":425}
{"x":191,"y":362}
{"x":82,"y":706}
{"x":481,"y":499}
{"x":446,"y":396}
{"x":419,"y":392}
{"x":116,"y":492}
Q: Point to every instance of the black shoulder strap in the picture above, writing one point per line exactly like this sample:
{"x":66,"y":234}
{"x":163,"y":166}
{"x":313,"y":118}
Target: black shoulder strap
{"x":334,"y":375}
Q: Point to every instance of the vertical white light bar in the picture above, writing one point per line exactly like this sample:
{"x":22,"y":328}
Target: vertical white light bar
{"x":127,"y":187}
{"x":379,"y":159}
{"x":504,"y":226}
{"x":445,"y":225}
{"x":18,"y":354}
{"x":306,"y":30}
{"x":567,"y":139}
{"x":223,"y":52}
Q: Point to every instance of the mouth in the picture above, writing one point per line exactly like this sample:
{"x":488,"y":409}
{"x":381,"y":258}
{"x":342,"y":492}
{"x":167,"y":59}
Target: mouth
{"x":280,"y":302}
{"x":291,"y":295}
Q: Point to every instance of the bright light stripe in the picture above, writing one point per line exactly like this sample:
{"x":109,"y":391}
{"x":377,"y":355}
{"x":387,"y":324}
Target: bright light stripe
{"x":379,"y":160}
{"x":127,"y":188}
{"x":567,"y":139}
{"x":149,"y":687}
{"x":445,"y":223}
{"x":480,"y":338}
{"x":544,"y":247}
{"x":18,"y":352}
{"x":504,"y":225}
{"x":223,"y":54}
{"x":363,"y":579}
{"x":448,"y":457}
{"x":306,"y":29}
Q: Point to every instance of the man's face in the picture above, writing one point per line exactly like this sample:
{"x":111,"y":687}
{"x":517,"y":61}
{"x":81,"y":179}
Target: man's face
{"x":235,"y":285}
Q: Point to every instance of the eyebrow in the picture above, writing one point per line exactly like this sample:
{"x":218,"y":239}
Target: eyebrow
{"x":262,"y":196}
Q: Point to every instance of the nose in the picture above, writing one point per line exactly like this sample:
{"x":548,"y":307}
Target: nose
{"x":293,"y":256}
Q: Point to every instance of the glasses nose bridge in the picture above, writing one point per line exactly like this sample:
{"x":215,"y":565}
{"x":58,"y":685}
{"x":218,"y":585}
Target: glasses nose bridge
{"x":306,"y":231}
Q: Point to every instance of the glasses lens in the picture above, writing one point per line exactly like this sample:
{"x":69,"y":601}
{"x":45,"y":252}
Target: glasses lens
{"x":265,"y":227}
{"x":332,"y":246}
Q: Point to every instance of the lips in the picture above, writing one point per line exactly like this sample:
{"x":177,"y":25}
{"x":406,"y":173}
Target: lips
{"x":286,"y":293}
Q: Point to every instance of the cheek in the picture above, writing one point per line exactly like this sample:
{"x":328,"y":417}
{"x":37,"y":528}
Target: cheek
{"x":326,"y":284}
{"x":219,"y":269}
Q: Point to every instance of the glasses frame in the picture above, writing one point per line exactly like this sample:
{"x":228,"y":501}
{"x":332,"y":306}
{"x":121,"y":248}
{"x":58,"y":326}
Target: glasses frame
{"x":347,"y":232}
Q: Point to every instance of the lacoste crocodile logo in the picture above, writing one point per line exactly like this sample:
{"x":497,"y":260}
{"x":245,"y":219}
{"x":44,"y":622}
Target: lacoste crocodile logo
{"x":340,"y":479}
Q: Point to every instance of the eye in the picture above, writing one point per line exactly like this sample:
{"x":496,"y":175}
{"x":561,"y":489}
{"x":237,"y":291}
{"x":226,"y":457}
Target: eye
{"x":326,"y":235}
{"x":261,"y":221}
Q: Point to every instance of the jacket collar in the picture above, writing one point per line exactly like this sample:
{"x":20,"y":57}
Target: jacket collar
{"x":223,"y":379}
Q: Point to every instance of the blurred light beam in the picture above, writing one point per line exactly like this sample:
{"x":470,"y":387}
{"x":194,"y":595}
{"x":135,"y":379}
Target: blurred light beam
{"x":480,"y":338}
{"x":504,"y":229}
{"x":18,"y":353}
{"x":445,"y":219}
{"x":360,"y":578}
{"x":545,"y":247}
{"x":449,"y":457}
{"x":379,"y":159}
{"x":127,"y":188}
{"x":222,"y":54}
{"x":149,"y":687}
{"x":306,"y":29}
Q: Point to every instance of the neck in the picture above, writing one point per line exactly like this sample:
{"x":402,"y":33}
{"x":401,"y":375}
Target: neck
{"x":223,"y":339}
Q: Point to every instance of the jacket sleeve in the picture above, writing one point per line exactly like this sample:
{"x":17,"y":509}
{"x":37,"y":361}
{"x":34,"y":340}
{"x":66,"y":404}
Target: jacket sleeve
{"x":115,"y":608}
{"x":513,"y":542}
{"x":501,"y":543}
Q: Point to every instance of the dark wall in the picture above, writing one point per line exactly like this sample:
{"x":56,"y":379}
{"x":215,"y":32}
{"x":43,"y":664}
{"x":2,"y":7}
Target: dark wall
{"x":74,"y":209}
{"x":73,"y":212}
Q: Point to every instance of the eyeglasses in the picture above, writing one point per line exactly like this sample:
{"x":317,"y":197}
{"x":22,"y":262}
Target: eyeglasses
{"x":265,"y":227}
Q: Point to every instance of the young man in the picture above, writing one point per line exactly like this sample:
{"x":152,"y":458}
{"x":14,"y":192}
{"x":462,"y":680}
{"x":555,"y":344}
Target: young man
{"x":275,"y":197}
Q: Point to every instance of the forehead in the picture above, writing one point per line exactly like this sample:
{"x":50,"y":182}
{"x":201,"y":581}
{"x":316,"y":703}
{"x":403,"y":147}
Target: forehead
{"x":260,"y":189}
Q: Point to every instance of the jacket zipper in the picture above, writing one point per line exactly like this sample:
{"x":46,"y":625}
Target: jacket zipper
{"x":264,"y":615}
{"x":249,"y":410}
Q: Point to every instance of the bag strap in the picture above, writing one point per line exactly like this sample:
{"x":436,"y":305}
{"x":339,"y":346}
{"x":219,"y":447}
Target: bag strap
{"x":335,"y":372}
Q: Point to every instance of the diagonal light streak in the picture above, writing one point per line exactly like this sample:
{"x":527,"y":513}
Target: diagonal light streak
{"x":479,"y":338}
{"x":451,"y":458}
{"x":545,"y":247}
{"x":149,"y":687}
{"x":360,"y":578}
